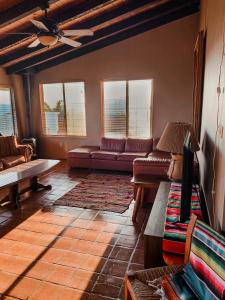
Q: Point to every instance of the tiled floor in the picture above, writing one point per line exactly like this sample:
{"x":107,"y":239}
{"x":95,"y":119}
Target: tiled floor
{"x":53,"y":253}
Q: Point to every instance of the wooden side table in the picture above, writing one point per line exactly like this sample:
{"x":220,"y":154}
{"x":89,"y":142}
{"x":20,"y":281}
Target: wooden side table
{"x":142,"y":182}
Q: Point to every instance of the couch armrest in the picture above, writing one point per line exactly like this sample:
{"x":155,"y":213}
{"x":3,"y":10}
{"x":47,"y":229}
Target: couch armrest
{"x":154,"y":166}
{"x":26,"y":151}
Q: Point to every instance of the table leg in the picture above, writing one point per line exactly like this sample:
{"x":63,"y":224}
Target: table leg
{"x":15,"y":195}
{"x":137,"y":203}
{"x":35,"y":185}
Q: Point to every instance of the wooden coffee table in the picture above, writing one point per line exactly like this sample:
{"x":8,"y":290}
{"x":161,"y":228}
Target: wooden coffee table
{"x":11,"y":177}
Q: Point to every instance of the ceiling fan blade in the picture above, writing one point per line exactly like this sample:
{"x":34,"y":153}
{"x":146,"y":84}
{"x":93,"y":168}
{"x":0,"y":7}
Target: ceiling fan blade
{"x":35,"y":43}
{"x":40,"y":25}
{"x":23,"y":33}
{"x":78,"y":32}
{"x":69,"y":42}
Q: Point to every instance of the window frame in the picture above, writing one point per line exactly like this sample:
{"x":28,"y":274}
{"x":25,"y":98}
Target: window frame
{"x":127,"y":104}
{"x":13,"y":107}
{"x":41,"y":101}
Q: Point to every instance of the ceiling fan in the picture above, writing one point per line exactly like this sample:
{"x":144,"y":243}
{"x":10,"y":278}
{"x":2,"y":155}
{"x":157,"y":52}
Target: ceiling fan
{"x":49,"y":33}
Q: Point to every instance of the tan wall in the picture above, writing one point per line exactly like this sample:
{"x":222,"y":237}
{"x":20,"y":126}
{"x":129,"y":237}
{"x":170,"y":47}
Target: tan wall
{"x":164,"y":54}
{"x":212,"y":143}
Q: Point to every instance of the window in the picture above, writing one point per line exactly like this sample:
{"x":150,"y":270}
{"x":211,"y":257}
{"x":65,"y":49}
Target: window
{"x":63,"y":109}
{"x":8,"y":123}
{"x":127,"y":108}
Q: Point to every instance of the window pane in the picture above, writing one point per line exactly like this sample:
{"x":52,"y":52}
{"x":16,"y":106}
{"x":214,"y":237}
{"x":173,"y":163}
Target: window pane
{"x":6,"y":112}
{"x":75,"y":108}
{"x":53,"y":106}
{"x":115,"y":109}
{"x":139,"y":108}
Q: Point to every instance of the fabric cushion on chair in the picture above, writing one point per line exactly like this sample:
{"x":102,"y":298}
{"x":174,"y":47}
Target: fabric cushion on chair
{"x":116,"y":145}
{"x":207,"y":259}
{"x":175,"y":287}
{"x":130,"y":156}
{"x":11,"y":161}
{"x":138,"y":145}
{"x":107,"y":155}
{"x":8,"y":145}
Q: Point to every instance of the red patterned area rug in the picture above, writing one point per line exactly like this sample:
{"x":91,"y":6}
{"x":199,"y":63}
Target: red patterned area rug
{"x":108,"y":192}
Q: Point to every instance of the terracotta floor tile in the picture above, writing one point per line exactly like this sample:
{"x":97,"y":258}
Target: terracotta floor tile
{"x":19,"y":265}
{"x":6,"y":281}
{"x":100,"y":249}
{"x":127,"y":241}
{"x":138,"y":257}
{"x":108,"y":238}
{"x":24,"y":287}
{"x":89,"y":235}
{"x":5,"y":261}
{"x":83,"y":283}
{"x":63,"y":243}
{"x":120,"y":253}
{"x":97,"y":225}
{"x":73,"y":259}
{"x":81,"y":223}
{"x":130,"y":230}
{"x":82,"y":246}
{"x":52,"y":255}
{"x":63,"y":251}
{"x":40,"y":270}
{"x":62,"y":275}
{"x":114,"y":228}
{"x":115,"y":268}
{"x":136,"y":267}
{"x":72,"y":232}
{"x":93,"y":263}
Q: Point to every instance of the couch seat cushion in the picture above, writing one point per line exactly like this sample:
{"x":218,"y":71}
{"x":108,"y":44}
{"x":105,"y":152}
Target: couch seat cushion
{"x":108,"y":144}
{"x":82,"y":152}
{"x":11,"y":161}
{"x":138,"y":145}
{"x":130,"y":156}
{"x":107,"y":155}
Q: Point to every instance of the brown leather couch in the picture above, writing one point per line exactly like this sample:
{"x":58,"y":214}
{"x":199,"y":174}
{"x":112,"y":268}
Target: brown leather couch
{"x":12,"y":154}
{"x":137,"y":155}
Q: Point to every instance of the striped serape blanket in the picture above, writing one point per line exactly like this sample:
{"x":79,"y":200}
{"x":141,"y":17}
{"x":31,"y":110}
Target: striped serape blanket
{"x":174,"y":231}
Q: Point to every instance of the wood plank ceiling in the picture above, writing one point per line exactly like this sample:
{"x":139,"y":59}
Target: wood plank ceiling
{"x":111,"y":21}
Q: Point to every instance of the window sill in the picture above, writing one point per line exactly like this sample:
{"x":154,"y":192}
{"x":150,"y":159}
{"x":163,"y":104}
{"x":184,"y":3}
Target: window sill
{"x":64,"y":136}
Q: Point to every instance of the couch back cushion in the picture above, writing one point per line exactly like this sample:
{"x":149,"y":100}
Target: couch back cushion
{"x":116,"y":145}
{"x":138,"y":145}
{"x":8,"y":145}
{"x":207,"y":258}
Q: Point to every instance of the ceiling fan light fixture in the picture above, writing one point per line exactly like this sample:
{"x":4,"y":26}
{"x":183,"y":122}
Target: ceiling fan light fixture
{"x":48,"y":40}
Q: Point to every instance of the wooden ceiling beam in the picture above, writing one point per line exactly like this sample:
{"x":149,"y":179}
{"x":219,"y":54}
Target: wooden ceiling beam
{"x":151,"y":24}
{"x":21,"y":10}
{"x":4,"y":59}
{"x":59,"y":18}
{"x":65,"y":53}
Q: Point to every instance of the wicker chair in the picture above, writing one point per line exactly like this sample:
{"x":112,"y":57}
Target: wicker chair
{"x":136,"y":282}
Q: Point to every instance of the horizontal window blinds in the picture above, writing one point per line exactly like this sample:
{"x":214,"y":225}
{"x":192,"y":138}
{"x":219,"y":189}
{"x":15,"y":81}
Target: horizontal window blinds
{"x":115,"y":109}
{"x":139,"y":92}
{"x":127,"y":108}
{"x":8,"y":124}
{"x":63,"y":109}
